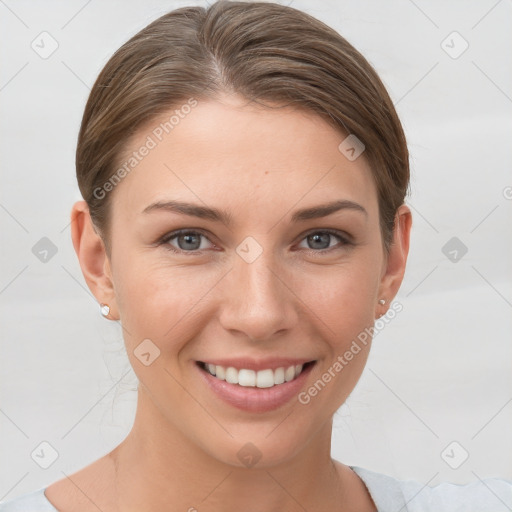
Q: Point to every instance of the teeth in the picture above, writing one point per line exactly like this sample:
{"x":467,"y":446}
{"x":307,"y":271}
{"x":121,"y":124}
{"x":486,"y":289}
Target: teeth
{"x":250,"y":378}
{"x":232,"y":375}
{"x":220,"y":372}
{"x":289,"y":373}
{"x":279,"y":376}
{"x":247,"y":378}
{"x":264,"y":379}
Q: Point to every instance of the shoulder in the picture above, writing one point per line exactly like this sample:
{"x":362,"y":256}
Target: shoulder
{"x":387,"y":493}
{"x":34,"y":501}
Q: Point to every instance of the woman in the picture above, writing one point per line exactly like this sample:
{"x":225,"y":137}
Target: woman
{"x":244,"y":174}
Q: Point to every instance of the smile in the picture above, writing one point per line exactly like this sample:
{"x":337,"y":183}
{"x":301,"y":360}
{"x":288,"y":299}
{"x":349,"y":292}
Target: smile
{"x":255,"y":386}
{"x":265,"y":378}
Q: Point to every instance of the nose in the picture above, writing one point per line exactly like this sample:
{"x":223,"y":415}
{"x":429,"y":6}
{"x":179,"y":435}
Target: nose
{"x":258,"y":300}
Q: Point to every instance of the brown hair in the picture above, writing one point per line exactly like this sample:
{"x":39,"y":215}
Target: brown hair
{"x":260,"y":50}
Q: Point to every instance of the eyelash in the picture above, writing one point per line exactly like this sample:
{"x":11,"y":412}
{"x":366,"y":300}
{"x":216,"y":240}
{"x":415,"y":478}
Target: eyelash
{"x":344,"y":241}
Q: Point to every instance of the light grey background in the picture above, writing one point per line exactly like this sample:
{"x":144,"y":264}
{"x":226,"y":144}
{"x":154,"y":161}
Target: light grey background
{"x":439,"y":372}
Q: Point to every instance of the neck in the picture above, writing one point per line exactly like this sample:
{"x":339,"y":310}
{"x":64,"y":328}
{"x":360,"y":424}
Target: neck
{"x":158,"y":468}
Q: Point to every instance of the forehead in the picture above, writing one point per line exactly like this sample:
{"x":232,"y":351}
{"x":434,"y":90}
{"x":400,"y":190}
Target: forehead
{"x":240,"y":156}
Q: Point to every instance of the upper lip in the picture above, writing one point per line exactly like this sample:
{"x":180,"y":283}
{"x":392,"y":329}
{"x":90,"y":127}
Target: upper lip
{"x":257,"y":364}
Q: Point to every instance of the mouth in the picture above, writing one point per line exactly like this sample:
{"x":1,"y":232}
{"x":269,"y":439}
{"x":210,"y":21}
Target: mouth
{"x":251,"y":378}
{"x":255,"y":387}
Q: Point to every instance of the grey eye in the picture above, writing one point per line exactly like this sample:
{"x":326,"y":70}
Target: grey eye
{"x":190,"y":241}
{"x":319,"y":240}
{"x":186,"y":241}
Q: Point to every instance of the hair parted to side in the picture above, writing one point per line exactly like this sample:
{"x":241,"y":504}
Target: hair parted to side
{"x":263,"y":51}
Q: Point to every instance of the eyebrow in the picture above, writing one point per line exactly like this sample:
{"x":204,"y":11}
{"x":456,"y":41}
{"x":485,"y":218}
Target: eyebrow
{"x":205,"y":212}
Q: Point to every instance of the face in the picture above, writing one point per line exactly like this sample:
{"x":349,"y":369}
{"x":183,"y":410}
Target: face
{"x":227,"y":252}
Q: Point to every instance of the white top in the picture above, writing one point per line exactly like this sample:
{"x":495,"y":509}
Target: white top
{"x":389,"y":494}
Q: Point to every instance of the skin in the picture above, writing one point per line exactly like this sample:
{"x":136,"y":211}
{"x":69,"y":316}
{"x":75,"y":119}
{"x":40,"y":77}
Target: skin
{"x":260,"y":165}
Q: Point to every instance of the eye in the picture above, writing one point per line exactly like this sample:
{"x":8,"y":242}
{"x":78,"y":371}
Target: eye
{"x":320,"y":241}
{"x":187,"y":241}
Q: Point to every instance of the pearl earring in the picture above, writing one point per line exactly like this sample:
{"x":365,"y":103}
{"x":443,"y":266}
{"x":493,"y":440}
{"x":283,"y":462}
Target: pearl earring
{"x":382,"y":302}
{"x":104,"y":309}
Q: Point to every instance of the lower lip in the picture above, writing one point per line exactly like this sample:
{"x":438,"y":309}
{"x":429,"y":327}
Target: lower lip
{"x":252,"y":399}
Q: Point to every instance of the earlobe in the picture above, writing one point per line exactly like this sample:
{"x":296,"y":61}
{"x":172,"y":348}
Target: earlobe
{"x":93,"y":259}
{"x":397,"y":258}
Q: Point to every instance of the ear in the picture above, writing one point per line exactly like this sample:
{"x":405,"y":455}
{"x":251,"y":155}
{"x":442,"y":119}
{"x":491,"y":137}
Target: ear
{"x":94,"y":261}
{"x":394,"y":267}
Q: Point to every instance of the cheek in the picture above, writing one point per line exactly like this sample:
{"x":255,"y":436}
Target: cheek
{"x":344,"y":301}
{"x":158,"y":300}
{"x":342,"y":297}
